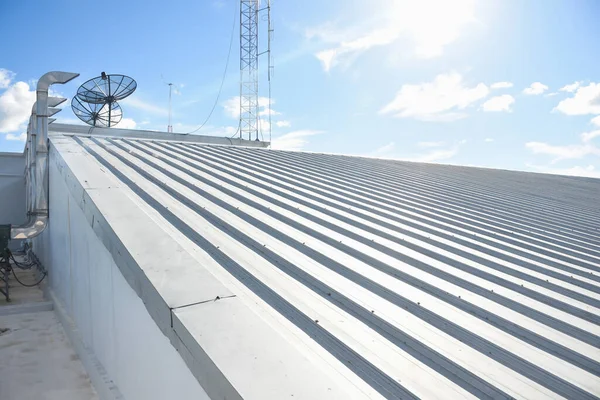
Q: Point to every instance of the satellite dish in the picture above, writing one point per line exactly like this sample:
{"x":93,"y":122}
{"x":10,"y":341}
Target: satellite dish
{"x":106,"y":88}
{"x":96,"y":100}
{"x":103,"y":115}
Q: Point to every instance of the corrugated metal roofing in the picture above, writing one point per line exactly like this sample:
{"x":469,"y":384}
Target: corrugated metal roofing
{"x":414,"y":280}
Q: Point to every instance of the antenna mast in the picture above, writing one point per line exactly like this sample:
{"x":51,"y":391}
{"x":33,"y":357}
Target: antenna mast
{"x":270,"y":65}
{"x":249,"y":69}
{"x":249,"y":107}
{"x":170,"y":127}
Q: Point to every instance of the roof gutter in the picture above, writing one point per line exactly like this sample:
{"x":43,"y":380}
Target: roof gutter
{"x":36,"y":170}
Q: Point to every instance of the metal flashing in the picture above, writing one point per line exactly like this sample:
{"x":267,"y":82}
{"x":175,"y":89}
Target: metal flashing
{"x":82,"y":130}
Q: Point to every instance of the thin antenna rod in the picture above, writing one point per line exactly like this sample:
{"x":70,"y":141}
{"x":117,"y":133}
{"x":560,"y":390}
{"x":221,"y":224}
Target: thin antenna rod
{"x":109,"y":104}
{"x":170,"y":127}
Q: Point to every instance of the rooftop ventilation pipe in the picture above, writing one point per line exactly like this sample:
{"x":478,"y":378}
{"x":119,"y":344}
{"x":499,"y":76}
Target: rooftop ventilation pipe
{"x":31,"y":127}
{"x":36,"y":170}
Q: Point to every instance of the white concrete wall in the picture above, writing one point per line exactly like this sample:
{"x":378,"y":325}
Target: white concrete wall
{"x":12,"y":187}
{"x":112,"y":321}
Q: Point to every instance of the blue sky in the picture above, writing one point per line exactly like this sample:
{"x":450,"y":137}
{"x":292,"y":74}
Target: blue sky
{"x":497,"y":83}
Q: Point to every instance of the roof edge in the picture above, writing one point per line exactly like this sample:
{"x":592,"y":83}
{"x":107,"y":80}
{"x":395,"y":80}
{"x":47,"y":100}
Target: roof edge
{"x":82,"y":130}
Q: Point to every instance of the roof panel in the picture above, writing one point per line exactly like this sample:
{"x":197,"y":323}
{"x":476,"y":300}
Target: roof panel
{"x":398,"y":279}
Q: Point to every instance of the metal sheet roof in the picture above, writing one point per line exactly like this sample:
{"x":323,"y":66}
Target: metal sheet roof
{"x":392,"y":279}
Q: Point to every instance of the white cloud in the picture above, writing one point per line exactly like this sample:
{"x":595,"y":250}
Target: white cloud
{"x":588,"y":136}
{"x":283,"y":124}
{"x":430,"y":144}
{"x":588,"y":171}
{"x":15,"y":107}
{"x":535,"y":88}
{"x":392,"y":20}
{"x":263,"y":126}
{"x":127,"y":123}
{"x":586,"y":100}
{"x":596,"y":121}
{"x":349,"y":50}
{"x":580,"y":150}
{"x":136,"y":102}
{"x":501,"y":85}
{"x":437,"y":155}
{"x":436,"y":101}
{"x":327,"y":58}
{"x":571,"y":88}
{"x":383,"y":151}
{"x":488,"y":140}
{"x":265,"y":112}
{"x":573,"y":151}
{"x":499,"y":103}
{"x":6,"y":78}
{"x":295,"y":140}
{"x":21,"y":138}
{"x":231,"y":107}
{"x":443,"y":117}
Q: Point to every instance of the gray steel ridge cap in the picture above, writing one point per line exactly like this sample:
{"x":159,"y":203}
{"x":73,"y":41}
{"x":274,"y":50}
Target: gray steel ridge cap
{"x":84,"y":130}
{"x":96,"y":194}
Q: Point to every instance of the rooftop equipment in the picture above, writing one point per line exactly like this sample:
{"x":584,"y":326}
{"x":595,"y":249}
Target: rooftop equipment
{"x":36,"y":154}
{"x":96,"y":100}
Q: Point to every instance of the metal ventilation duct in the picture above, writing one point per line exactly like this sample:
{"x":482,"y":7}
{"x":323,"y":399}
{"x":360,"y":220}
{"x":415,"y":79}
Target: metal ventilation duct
{"x":36,"y":170}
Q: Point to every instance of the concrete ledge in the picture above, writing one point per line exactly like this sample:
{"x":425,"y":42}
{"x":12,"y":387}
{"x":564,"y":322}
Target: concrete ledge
{"x":145,"y":268}
{"x":26,"y":308}
{"x":104,"y":386}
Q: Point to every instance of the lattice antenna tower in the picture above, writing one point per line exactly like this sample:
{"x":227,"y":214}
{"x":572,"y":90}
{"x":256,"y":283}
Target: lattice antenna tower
{"x":249,"y":76}
{"x":270,"y":67}
{"x":249,"y":69}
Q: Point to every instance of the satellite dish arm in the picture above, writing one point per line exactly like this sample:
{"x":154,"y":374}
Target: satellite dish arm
{"x":37,"y":160}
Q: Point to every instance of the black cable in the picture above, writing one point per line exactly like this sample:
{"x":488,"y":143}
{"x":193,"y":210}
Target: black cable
{"x":26,"y":259}
{"x":223,"y":78}
{"x":236,"y":132}
{"x":19,"y":265}
{"x":26,"y":285}
{"x":22,"y":265}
